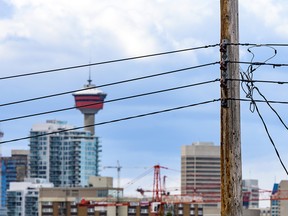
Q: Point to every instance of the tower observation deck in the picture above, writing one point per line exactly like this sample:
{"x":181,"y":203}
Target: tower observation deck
{"x":89,"y":101}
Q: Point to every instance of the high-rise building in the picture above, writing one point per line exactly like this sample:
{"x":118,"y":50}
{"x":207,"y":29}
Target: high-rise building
{"x":200,"y":171}
{"x":15,"y":169}
{"x":274,"y":202}
{"x":250,"y":191}
{"x":62,"y":155}
{"x":22,"y":197}
{"x":279,"y":202}
{"x":89,"y":101}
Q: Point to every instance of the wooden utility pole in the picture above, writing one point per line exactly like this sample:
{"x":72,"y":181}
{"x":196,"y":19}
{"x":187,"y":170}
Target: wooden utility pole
{"x":231,"y":166}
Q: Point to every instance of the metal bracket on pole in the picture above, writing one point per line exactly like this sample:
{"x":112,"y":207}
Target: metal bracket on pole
{"x":224,"y":73}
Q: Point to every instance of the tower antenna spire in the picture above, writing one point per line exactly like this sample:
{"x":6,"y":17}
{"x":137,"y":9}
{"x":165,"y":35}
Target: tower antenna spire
{"x":89,"y":79}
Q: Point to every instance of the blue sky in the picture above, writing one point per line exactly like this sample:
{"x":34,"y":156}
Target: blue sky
{"x":39,"y":35}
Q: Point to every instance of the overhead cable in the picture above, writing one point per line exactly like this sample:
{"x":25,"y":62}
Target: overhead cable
{"x":272,"y":108}
{"x":114,"y":121}
{"x":270,"y":138}
{"x":113,"y":83}
{"x":113,"y":100}
{"x":260,"y":81}
{"x":249,"y":91}
{"x":259,"y":101}
{"x":274,"y":65}
{"x":259,"y":45}
{"x":108,"y":62}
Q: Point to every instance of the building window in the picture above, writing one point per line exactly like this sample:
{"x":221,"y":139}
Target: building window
{"x":73,"y":209}
{"x":47,"y":210}
{"x":145,"y":211}
{"x":102,"y":193}
{"x":46,"y":203}
{"x":90,"y":210}
{"x":131,"y":210}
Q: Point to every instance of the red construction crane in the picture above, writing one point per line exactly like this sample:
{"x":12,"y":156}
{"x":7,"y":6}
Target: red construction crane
{"x":157,"y":191}
{"x":157,"y":187}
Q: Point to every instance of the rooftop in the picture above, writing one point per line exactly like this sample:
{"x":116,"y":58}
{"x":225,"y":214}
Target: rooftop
{"x":89,"y":89}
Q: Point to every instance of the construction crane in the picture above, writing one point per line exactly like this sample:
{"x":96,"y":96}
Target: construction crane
{"x":161,"y":197}
{"x":118,"y":168}
{"x":157,"y":187}
{"x":157,"y":192}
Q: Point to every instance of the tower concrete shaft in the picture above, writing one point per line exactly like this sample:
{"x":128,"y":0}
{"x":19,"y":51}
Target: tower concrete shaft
{"x":89,"y":121}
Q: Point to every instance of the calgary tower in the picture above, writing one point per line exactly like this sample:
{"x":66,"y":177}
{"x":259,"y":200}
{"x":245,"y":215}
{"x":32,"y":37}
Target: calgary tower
{"x":89,"y":101}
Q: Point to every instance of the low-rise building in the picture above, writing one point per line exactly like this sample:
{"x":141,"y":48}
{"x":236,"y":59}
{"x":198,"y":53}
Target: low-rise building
{"x":250,"y":191}
{"x":66,"y":200}
{"x":22,"y":197}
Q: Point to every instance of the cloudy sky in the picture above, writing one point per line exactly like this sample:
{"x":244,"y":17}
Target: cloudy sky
{"x":41,"y":35}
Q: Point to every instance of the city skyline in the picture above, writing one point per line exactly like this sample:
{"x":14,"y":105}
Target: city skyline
{"x":45,"y":36}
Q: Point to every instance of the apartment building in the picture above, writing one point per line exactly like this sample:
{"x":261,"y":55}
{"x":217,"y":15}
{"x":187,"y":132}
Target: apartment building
{"x":22,"y":197}
{"x":62,"y":155}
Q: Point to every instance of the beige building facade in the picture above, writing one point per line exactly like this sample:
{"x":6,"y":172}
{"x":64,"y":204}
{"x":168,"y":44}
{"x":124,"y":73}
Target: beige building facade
{"x":200,"y":171}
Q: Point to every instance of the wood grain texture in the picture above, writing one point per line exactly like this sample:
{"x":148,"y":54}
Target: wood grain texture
{"x":231,"y":165}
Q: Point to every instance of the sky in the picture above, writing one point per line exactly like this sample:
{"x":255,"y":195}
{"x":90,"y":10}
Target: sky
{"x":41,"y":35}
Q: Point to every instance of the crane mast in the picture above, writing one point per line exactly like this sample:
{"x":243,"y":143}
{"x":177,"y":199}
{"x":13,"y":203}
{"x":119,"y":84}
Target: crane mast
{"x":118,"y":168}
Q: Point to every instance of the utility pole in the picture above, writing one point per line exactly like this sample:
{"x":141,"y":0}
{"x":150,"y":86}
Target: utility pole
{"x":231,"y":166}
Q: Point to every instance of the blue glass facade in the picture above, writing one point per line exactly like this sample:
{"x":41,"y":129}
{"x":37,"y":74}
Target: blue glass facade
{"x":275,"y":202}
{"x":3,"y":185}
{"x":14,"y":203}
{"x":65,"y":159}
{"x":14,"y":169}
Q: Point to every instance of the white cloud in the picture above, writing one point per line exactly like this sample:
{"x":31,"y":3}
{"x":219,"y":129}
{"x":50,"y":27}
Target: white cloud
{"x":272,"y":13}
{"x":136,"y":27}
{"x":267,"y":10}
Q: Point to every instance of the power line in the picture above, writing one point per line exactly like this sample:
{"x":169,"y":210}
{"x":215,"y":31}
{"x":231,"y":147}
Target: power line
{"x":140,"y":78}
{"x":267,"y":131}
{"x":113,"y":100}
{"x":108,"y":62}
{"x":260,"y":63}
{"x":113,"y":83}
{"x":115,"y":120}
{"x":259,"y":101}
{"x":259,"y":45}
{"x":260,"y":81}
{"x":253,"y":105}
{"x":268,"y":103}
{"x":270,"y":138}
